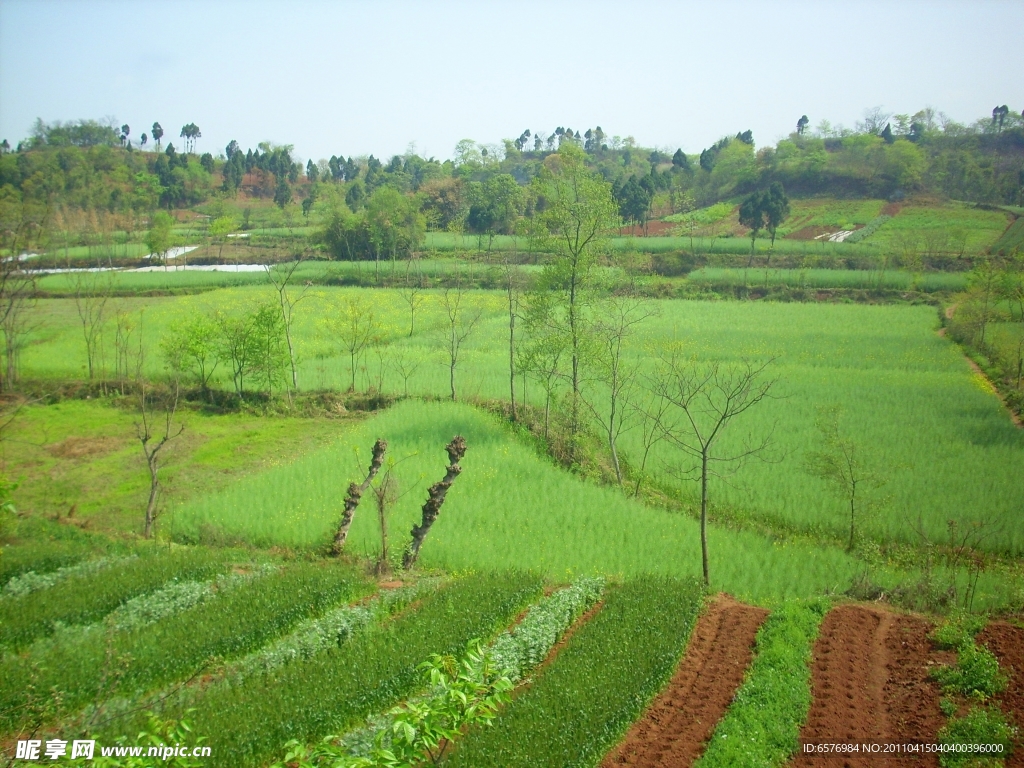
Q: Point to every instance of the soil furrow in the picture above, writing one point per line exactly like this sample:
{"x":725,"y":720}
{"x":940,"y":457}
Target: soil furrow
{"x":870,"y":684}
{"x":674,"y":730}
{"x":1007,"y":643}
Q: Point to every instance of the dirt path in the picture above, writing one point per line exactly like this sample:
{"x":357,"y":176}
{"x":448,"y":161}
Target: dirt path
{"x":1007,"y":643}
{"x":870,"y":683}
{"x":677,"y":725}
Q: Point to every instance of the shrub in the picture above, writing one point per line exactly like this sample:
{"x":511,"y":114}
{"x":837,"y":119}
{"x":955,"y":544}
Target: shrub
{"x":981,"y":726}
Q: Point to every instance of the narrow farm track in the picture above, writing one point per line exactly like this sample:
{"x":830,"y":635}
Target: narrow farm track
{"x":675,"y":728}
{"x":870,"y":683}
{"x":1007,"y":643}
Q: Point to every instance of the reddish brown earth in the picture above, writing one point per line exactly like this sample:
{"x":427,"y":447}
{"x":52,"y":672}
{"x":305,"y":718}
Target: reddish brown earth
{"x":1007,"y":643}
{"x":870,"y":683}
{"x":677,"y":725}
{"x":810,"y":233}
{"x":654,"y":229}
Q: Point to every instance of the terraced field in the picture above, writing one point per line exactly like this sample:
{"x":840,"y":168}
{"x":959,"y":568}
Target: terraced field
{"x":256,"y":651}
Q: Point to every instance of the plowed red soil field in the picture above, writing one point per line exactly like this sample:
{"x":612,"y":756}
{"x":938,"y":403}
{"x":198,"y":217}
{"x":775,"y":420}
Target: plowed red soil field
{"x":870,"y":683}
{"x":1007,"y":643}
{"x":677,"y":725}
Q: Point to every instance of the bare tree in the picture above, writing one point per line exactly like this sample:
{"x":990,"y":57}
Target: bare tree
{"x":355,"y":493}
{"x":405,"y":365}
{"x":841,"y":464}
{"x":356,"y":326}
{"x":544,"y":359}
{"x":280,"y":279}
{"x":385,"y":495}
{"x":651,"y":412}
{"x":615,"y":325}
{"x":17,"y":298}
{"x":146,"y":431}
{"x":92,"y":292}
{"x":435,"y":498}
{"x":412,"y":295}
{"x":512,"y":277}
{"x":460,"y":321}
{"x":23,"y":225}
{"x":127,"y":354}
{"x":706,"y":399}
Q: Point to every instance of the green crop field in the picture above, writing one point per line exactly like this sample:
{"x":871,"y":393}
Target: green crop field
{"x":935,"y":431}
{"x":510,"y":509}
{"x":831,"y":214}
{"x":941,"y":228}
{"x":831,"y":278}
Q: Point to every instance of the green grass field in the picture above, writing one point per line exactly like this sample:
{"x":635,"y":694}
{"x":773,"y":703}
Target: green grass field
{"x":509,"y":508}
{"x":936,"y":431}
{"x":81,"y":461}
{"x":831,"y":278}
{"x":937,"y":227}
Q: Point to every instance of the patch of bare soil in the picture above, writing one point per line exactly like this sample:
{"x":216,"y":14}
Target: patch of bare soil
{"x":891,"y":209}
{"x":870,"y":683}
{"x":676,"y":727}
{"x":83,"y":447}
{"x":654,"y":229}
{"x":1007,"y":643}
{"x":810,"y":233}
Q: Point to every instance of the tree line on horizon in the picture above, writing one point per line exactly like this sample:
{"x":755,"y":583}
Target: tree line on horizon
{"x":90,"y":166}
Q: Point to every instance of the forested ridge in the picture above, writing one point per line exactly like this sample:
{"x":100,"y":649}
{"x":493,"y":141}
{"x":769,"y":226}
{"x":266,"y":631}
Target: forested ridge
{"x":87,"y":166}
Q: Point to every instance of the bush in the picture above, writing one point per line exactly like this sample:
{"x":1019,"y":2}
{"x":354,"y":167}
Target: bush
{"x":980,"y":726}
{"x":958,"y":630}
{"x":976,"y":673}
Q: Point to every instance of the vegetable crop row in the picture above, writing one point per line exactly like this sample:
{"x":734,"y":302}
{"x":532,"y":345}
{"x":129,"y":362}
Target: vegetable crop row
{"x":579,"y":706}
{"x":40,"y":556}
{"x":336,"y":689}
{"x":762,"y":725}
{"x":87,"y":597}
{"x":513,"y":654}
{"x":239,"y":620}
{"x":33,"y":581}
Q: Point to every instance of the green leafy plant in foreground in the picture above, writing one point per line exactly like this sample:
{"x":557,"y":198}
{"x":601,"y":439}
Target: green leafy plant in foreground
{"x":762,"y":725}
{"x":980,"y":726}
{"x":975,"y":674}
{"x":958,"y":630}
{"x":464,"y":693}
{"x":157,"y":733}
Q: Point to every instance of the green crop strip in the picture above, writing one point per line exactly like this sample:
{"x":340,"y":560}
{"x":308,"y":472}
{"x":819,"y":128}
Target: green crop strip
{"x":601,"y":681}
{"x":87,"y":597}
{"x":337,"y":689}
{"x":512,"y":655}
{"x":243,"y":617}
{"x":32,"y":581}
{"x":308,"y":638}
{"x":40,"y":558}
{"x":762,"y":725}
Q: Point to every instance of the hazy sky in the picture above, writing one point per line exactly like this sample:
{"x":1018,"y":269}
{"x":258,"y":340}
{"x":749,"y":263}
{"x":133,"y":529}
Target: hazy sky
{"x":371,"y":77}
